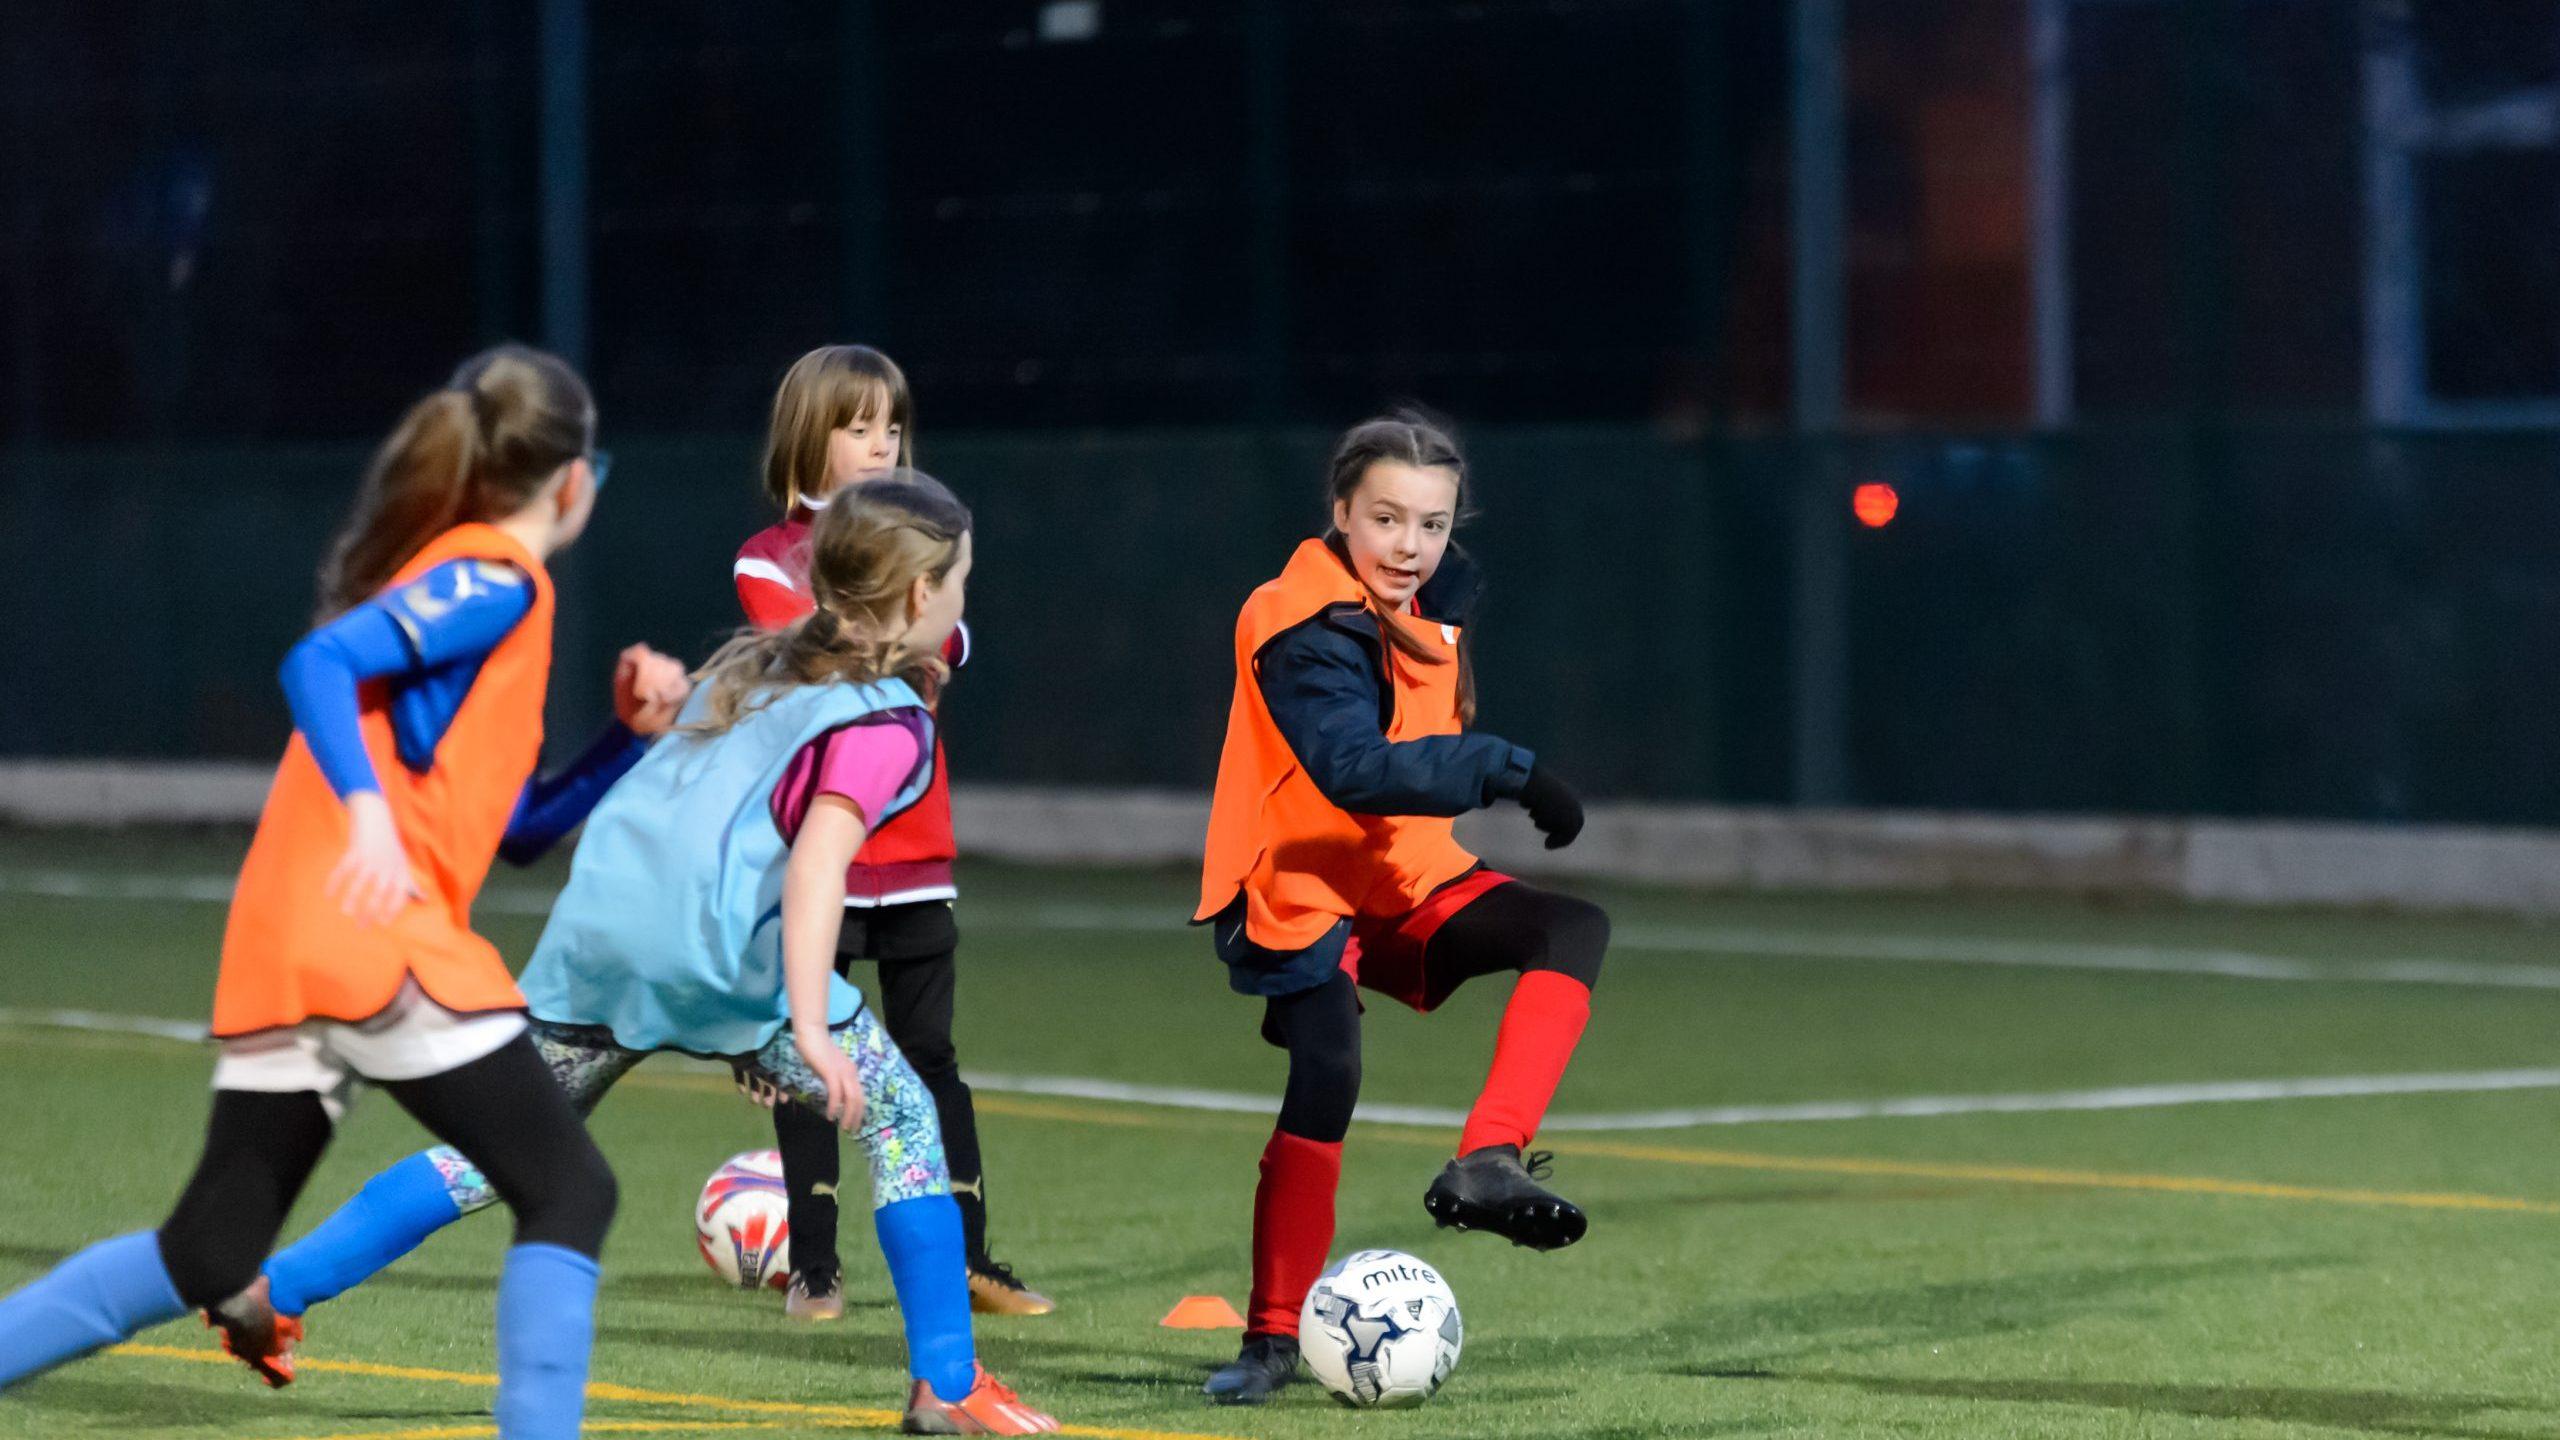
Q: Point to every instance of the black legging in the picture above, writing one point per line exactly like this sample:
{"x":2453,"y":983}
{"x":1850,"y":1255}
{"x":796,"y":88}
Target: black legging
{"x":1511,"y":927}
{"x":916,"y":946}
{"x":502,"y":1111}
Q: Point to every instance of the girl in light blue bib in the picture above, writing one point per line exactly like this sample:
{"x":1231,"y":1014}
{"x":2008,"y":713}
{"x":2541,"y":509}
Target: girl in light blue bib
{"x":701,"y":915}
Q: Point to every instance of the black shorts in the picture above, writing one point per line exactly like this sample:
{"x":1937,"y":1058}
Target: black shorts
{"x":917,"y":930}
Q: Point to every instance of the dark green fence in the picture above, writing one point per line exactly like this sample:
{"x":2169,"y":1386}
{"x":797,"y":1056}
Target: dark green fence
{"x":2317,"y":622}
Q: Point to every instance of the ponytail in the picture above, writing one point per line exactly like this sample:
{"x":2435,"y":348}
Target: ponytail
{"x":414,"y":490}
{"x":479,"y":449}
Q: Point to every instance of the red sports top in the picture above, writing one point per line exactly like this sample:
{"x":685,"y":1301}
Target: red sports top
{"x":909,"y":858}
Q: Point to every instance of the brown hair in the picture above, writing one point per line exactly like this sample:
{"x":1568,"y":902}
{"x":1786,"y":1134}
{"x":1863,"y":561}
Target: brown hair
{"x":1407,"y":436}
{"x":824,"y":391}
{"x":479,"y":449}
{"x":865,"y":552}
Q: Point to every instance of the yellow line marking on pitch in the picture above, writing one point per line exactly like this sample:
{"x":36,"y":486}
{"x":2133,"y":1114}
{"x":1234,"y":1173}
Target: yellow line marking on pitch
{"x":2069,"y":1179}
{"x":1077,"y":1114}
{"x":1995,"y":1174}
{"x":590,"y":1428}
{"x":841,"y":1415}
{"x":338,"y":1367}
{"x":441,"y":1432}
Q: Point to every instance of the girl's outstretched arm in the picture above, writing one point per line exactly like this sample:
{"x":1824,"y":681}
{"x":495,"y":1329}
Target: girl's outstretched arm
{"x":649,"y":689}
{"x":1322,"y":687}
{"x":812,"y":919}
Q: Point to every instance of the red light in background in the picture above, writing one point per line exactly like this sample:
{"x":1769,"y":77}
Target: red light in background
{"x":1875,"y":505}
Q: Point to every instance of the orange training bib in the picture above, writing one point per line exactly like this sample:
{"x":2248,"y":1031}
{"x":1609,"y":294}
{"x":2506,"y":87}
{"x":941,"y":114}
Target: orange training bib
{"x":288,"y":953}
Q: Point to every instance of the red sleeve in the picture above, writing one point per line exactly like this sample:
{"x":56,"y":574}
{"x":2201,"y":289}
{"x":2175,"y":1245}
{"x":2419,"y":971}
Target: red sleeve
{"x":770,"y":606}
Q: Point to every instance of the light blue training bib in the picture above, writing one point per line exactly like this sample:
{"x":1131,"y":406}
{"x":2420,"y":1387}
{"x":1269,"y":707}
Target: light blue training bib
{"x":670,"y":932}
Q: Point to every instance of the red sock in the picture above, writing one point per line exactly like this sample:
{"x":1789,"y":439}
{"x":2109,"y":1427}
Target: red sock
{"x":1540,"y":1027}
{"x":1292,"y":1228}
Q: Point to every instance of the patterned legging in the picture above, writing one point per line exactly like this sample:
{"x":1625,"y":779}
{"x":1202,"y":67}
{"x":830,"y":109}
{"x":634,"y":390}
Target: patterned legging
{"x":899,"y":1127}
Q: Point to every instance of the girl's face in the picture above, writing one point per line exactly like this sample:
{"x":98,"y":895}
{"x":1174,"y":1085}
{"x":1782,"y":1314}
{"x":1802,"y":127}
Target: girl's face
{"x":866,"y":447}
{"x":934,"y":608}
{"x":1396,"y":525}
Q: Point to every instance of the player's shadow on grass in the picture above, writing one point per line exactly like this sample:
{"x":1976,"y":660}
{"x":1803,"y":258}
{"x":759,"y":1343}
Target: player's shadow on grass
{"x":2379,"y":1412}
{"x":39,"y":1258}
{"x":695,"y":1287}
{"x":116,"y":1393}
{"x":1164,"y":1278}
{"x":1019,"y":1355}
{"x":1180,"y":1377}
{"x":824,"y":1345}
{"x":702,"y":1287}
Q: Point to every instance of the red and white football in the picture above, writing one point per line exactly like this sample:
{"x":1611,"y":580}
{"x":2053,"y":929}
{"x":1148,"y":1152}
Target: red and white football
{"x":743,"y":1222}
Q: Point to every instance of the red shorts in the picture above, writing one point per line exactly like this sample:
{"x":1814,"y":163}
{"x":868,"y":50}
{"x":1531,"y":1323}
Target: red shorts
{"x":1386,"y":954}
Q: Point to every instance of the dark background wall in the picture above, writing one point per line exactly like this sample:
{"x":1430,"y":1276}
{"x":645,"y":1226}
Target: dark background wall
{"x":1139,"y":275}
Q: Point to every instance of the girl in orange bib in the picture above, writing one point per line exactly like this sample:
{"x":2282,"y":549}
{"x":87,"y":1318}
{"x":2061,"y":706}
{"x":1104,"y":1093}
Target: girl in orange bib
{"x":1331,"y":864}
{"x":349,"y":953}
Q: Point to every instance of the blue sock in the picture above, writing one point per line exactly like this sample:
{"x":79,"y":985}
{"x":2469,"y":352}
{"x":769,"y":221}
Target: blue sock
{"x":546,"y":1326}
{"x":392,"y":1215}
{"x":96,"y":1298}
{"x":930,"y":1269}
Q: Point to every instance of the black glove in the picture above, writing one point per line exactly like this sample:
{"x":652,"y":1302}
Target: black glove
{"x":1552,"y":807}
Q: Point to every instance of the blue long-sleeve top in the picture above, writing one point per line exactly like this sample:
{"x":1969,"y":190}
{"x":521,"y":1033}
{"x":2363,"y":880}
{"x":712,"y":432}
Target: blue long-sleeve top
{"x":427,"y":641}
{"x":1325,"y":682}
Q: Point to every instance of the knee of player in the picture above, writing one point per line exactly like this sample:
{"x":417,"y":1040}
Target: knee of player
{"x":898,"y":1101}
{"x":599,"y":1186}
{"x":917,"y":1123}
{"x":1577,"y":938}
{"x":582,"y":1195}
{"x":1326,"y":1070}
{"x":933,"y":1056}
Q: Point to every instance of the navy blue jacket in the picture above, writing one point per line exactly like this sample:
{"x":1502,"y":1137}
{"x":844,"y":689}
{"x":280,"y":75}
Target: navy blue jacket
{"x":1325,"y":683}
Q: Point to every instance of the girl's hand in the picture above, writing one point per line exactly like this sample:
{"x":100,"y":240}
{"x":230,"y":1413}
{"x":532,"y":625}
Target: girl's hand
{"x":372,"y":880}
{"x":836,"y":1069}
{"x":1552,"y":807}
{"x":760,"y":1089}
{"x":649,"y":689}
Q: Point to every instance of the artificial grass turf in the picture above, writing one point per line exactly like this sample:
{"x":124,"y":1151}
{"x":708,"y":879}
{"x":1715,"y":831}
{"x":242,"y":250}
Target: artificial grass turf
{"x":1721,"y":1292}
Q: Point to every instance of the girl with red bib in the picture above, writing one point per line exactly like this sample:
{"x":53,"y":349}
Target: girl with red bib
{"x":1331,"y":864}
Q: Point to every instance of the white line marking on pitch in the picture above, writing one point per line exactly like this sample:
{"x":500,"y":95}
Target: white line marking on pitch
{"x":209,"y":890}
{"x":1920,"y":949}
{"x":189,"y":1030}
{"x":2123,"y":1097}
{"x":1903,"y":1107}
{"x":1736,"y":942}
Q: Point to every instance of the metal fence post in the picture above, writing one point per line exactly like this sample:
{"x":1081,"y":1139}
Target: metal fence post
{"x":862,"y":175}
{"x":577,"y":685}
{"x":1819,"y":205}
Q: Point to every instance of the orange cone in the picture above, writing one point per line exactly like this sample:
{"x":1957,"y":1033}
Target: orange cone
{"x":1202,"y":1312}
